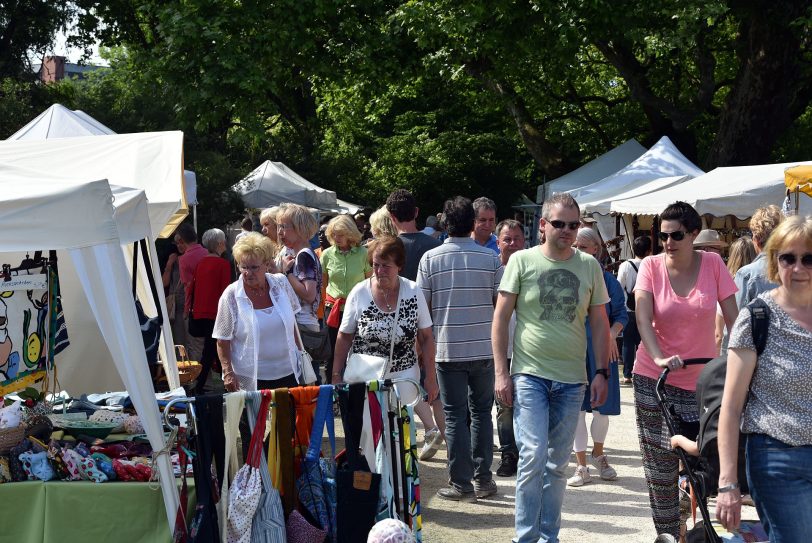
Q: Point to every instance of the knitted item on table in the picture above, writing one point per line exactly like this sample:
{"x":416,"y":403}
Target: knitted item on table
{"x":390,"y":531}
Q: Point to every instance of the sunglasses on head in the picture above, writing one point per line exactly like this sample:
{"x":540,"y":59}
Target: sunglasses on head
{"x":679,"y":235}
{"x":788,"y":260}
{"x":559,"y":225}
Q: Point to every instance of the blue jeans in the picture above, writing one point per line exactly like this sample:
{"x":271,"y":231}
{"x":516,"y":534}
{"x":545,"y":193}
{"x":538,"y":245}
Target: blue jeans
{"x":781,"y":486}
{"x":631,"y":339}
{"x":467,"y":386}
{"x":545,"y":414}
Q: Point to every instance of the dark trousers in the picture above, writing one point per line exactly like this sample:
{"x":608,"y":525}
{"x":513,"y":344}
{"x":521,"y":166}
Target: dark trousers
{"x":208,"y":356}
{"x":467,"y":387}
{"x":631,"y":340}
{"x":504,"y":428}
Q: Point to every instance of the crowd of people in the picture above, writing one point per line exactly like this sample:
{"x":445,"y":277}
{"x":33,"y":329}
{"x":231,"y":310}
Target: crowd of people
{"x":541,"y":333}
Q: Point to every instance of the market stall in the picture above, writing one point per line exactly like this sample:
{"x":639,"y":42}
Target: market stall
{"x":152,"y":162}
{"x":598,"y":168}
{"x":724,"y":197}
{"x":60,"y":122}
{"x":79,"y":220}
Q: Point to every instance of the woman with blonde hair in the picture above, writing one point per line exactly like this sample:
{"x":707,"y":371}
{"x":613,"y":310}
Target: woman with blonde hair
{"x":295,"y":226}
{"x":344,"y":264}
{"x":742,"y":252}
{"x":767,"y":396}
{"x":267,"y":219}
{"x":381,"y":225}
{"x":258,"y":303}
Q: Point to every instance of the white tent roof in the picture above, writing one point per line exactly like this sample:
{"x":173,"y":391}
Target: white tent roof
{"x":347,"y":207}
{"x":60,"y":122}
{"x":79,"y":219}
{"x":152,"y":161}
{"x":604,"y":165}
{"x":662,"y":160}
{"x":600,"y":203}
{"x":82,"y":366}
{"x":273,"y":183}
{"x":738,"y":191}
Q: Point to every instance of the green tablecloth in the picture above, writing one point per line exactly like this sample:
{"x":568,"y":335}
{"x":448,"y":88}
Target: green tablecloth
{"x":82,"y":511}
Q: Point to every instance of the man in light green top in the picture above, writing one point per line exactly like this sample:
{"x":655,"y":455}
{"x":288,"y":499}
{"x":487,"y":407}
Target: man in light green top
{"x":553,"y":288}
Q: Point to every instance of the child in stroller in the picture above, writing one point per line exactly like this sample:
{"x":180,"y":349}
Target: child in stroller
{"x":704,"y":454}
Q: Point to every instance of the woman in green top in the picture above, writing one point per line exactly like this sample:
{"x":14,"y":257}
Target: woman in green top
{"x":344,"y":265}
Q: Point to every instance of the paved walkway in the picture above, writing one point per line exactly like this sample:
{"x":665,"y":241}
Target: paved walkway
{"x":600,"y":511}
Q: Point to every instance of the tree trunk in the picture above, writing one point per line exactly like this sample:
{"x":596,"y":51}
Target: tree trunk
{"x":772,"y":87}
{"x":546,"y":155}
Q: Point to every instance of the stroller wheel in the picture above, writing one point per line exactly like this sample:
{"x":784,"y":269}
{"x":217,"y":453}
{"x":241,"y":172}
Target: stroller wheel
{"x":665,"y":538}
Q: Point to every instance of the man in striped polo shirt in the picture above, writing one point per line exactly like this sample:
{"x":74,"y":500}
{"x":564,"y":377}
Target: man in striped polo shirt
{"x":460,"y":280}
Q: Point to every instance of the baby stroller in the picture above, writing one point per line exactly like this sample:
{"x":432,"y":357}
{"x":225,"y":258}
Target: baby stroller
{"x":702,"y":472}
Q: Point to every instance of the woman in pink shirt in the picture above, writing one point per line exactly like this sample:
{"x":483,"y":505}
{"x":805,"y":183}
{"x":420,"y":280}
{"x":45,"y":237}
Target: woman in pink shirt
{"x":676,"y":295}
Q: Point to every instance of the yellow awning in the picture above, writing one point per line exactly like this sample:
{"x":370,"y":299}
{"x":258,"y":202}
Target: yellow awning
{"x":800,"y":178}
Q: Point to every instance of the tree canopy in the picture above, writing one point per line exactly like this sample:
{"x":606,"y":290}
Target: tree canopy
{"x":440,"y":96}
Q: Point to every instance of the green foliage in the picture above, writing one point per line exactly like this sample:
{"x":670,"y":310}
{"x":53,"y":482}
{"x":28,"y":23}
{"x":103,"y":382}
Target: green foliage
{"x":28,"y":27}
{"x":440,"y":96}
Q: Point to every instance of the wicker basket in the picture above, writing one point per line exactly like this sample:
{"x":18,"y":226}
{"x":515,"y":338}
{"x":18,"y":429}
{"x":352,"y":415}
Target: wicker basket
{"x":188,"y":370}
{"x":9,"y":437}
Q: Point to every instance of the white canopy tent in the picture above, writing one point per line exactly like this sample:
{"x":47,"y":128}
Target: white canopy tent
{"x":60,"y":122}
{"x":80,"y":221}
{"x":606,"y":164}
{"x":152,"y":161}
{"x":662,"y":160}
{"x":156,"y":162}
{"x":662,"y":165}
{"x":736,"y":191}
{"x":273,"y":183}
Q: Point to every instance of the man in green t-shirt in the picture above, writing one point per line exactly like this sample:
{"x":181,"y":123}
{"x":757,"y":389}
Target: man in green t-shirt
{"x":553,"y":288}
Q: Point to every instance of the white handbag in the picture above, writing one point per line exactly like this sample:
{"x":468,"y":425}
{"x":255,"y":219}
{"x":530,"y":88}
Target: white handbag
{"x":306,"y":372}
{"x":369,"y":367}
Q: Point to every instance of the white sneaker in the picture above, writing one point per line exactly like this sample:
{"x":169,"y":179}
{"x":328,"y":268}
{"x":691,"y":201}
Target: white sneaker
{"x":580,"y":477}
{"x":606,"y":471}
{"x":431,"y":443}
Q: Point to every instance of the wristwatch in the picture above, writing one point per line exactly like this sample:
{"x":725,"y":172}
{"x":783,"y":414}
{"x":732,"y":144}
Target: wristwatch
{"x":602,"y":371}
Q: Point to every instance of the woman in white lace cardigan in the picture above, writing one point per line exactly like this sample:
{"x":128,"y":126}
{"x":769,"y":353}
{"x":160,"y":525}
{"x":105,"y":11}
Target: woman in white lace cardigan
{"x":254,"y":314}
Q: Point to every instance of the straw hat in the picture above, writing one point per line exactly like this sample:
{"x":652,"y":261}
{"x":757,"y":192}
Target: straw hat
{"x":709,"y":238}
{"x":587,"y":219}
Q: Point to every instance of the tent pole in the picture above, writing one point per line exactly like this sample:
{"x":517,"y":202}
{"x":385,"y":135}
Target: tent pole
{"x":194,"y":216}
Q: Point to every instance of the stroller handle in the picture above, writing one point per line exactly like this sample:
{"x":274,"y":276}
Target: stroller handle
{"x":686,"y":362}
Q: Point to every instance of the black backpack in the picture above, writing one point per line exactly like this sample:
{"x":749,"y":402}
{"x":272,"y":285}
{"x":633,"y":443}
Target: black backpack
{"x":630,"y":295}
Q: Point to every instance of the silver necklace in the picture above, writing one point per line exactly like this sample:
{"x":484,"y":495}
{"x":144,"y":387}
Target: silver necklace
{"x":386,"y":296}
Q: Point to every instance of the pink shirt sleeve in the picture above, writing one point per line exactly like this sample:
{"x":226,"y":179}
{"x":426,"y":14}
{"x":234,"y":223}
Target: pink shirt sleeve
{"x":683,"y":325}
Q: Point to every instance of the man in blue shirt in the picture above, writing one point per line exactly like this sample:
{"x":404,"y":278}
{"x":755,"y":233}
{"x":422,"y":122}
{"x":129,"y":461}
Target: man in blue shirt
{"x":484,"y":224}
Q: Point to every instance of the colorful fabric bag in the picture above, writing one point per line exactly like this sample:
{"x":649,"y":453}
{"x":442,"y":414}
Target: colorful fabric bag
{"x":269,"y":521}
{"x":317,"y":485}
{"x":246,"y":490}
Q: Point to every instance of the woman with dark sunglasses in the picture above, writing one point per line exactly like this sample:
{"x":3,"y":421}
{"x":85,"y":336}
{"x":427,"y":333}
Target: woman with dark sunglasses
{"x":773,"y":391}
{"x":675,"y":296}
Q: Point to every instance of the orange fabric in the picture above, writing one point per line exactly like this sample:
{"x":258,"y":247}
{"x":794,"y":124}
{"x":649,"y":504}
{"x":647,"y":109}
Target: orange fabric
{"x":304,"y":400}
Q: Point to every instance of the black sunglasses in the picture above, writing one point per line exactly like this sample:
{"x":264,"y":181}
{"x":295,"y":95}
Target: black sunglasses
{"x":558,"y":225}
{"x":679,"y":235}
{"x":788,"y":260}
